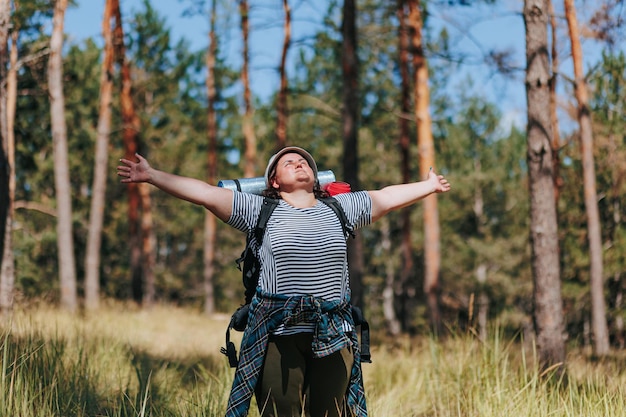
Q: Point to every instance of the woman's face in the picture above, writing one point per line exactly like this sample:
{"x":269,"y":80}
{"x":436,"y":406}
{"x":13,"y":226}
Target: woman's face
{"x":292,"y":172}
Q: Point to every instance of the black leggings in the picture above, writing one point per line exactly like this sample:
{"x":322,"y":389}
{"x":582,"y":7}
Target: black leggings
{"x":292,"y":381}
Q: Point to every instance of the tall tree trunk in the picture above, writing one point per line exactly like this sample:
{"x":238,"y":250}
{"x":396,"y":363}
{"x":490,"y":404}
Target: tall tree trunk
{"x":67,"y":268}
{"x":393,"y":324}
{"x":248,"y":117}
{"x":426,"y":152}
{"x":618,"y":305}
{"x":130,"y":130}
{"x":598,"y":306}
{"x":617,"y":286}
{"x":399,"y":289}
{"x":210,"y":223}
{"x":548,"y":308}
{"x":482,"y":267}
{"x":9,"y":265}
{"x":281,"y":103}
{"x":96,"y":215}
{"x":483,"y":300}
{"x":8,"y":96}
{"x":7,"y":282}
{"x":148,"y":237}
{"x":210,"y":239}
{"x":556,"y":137}
{"x":7,"y":169}
{"x":148,"y":245}
{"x":350,"y":133}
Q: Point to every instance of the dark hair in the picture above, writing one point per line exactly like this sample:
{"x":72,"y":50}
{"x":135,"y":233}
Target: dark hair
{"x":317,"y":191}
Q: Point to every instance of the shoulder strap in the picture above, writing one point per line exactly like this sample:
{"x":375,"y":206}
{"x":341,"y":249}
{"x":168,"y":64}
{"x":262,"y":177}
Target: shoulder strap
{"x":357,"y":314}
{"x":251,"y":266}
{"x":267,"y":208}
{"x":269,"y":204}
{"x":343,"y":219}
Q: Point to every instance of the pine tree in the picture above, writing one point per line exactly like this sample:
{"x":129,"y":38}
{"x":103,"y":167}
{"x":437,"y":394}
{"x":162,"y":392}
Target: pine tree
{"x":548,"y":309}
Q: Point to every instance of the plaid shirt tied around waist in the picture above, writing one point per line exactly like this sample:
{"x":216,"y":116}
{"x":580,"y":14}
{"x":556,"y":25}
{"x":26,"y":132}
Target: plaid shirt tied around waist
{"x":267,"y":312}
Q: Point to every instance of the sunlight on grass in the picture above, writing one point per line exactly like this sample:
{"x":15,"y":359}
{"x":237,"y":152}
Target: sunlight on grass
{"x":462,"y":376}
{"x":114,"y":362}
{"x":165,"y":361}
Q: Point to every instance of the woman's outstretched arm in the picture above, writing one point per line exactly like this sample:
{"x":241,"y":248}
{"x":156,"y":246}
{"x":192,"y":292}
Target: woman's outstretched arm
{"x":216,"y":199}
{"x":394,"y":197}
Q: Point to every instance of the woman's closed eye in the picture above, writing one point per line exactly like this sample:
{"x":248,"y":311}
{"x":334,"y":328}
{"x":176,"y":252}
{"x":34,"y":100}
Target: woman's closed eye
{"x":298,"y":162}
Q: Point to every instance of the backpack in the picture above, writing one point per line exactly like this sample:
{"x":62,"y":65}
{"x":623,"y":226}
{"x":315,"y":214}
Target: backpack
{"x":252,"y":268}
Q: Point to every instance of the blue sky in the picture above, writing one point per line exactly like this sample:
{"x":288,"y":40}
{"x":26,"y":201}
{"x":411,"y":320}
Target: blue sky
{"x":474,"y":30}
{"x":265,"y":41}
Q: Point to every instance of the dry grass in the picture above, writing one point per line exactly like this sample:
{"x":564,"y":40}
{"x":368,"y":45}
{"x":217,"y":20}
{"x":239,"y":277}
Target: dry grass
{"x":160,"y":331}
{"x":122,"y":361}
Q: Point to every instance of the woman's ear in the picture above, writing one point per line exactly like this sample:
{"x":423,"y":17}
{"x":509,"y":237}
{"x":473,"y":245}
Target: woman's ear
{"x":274,"y":183}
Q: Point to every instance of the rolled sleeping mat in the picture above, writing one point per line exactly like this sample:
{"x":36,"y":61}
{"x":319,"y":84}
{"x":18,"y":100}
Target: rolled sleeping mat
{"x":257,"y":185}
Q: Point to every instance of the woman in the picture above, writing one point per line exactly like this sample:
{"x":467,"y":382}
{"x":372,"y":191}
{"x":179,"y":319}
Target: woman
{"x":300,"y":349}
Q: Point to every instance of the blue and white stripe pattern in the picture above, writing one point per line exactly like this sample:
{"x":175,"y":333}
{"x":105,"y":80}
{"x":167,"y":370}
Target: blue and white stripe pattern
{"x":304,"y":250}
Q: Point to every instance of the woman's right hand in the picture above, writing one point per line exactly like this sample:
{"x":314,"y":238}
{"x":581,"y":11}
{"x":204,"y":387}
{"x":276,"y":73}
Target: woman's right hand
{"x":133,"y":171}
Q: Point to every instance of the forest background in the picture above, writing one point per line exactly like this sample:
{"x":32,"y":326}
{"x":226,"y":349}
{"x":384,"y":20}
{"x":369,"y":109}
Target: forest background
{"x":485,"y":252}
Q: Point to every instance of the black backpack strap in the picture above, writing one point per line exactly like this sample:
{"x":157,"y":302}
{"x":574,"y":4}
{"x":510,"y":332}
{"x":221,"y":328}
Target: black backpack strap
{"x":250,"y":262}
{"x":357,"y":314}
{"x":269,"y":204}
{"x":251,"y":272}
{"x":359,"y":320}
{"x":336,"y":207}
{"x":230,"y":351}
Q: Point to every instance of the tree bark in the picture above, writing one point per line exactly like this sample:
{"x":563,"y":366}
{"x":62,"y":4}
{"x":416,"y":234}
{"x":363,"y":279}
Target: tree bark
{"x":548,"y":306}
{"x":7,"y":160}
{"x":426,"y":152}
{"x":210,"y":223}
{"x":618,"y":305}
{"x":67,"y":268}
{"x":482,"y":267}
{"x":148,"y":244}
{"x":483,"y":301}
{"x":616,"y":284}
{"x":8,"y":262}
{"x":350,"y":121}
{"x":130,"y":131}
{"x":556,"y":137}
{"x":7,"y":266}
{"x":598,"y":306}
{"x":400,"y":288}
{"x":281,"y":103}
{"x":96,"y":215}
{"x":248,"y":117}
{"x":391,"y":320}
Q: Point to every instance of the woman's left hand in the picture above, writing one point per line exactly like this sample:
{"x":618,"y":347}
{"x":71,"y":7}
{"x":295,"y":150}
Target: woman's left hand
{"x":440,"y":183}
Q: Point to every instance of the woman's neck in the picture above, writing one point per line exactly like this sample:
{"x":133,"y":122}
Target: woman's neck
{"x":299,"y":199}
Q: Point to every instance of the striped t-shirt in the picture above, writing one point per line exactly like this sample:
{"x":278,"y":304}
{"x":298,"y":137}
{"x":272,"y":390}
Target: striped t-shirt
{"x":304,"y":249}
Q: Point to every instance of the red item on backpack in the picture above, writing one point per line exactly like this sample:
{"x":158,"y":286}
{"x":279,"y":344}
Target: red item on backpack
{"x":337,"y":187}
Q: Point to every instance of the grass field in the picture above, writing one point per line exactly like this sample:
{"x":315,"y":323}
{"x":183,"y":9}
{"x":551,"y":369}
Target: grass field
{"x":122,"y":361}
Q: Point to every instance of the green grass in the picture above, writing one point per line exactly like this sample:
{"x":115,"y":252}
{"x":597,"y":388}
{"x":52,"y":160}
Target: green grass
{"x":166,"y":362}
